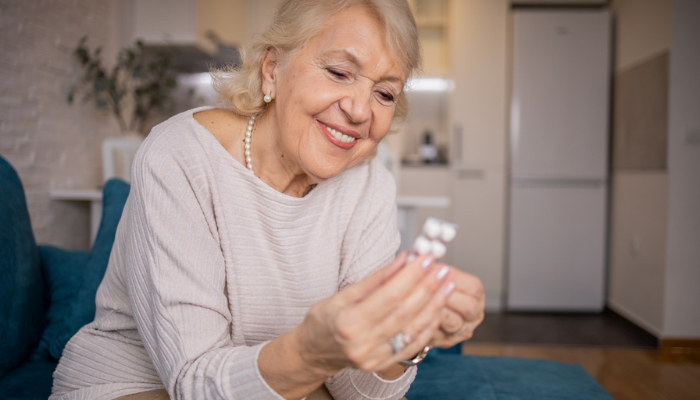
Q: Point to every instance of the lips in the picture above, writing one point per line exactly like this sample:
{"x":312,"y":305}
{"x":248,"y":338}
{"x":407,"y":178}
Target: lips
{"x":345,"y":140}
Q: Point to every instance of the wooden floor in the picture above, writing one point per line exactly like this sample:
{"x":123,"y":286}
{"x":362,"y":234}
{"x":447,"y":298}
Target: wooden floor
{"x":606,"y":328}
{"x":626,"y":373}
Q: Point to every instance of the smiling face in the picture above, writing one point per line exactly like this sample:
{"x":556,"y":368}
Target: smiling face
{"x":334,"y":100}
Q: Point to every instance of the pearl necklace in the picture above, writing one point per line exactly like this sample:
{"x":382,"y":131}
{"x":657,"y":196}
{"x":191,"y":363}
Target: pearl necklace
{"x":248,"y":134}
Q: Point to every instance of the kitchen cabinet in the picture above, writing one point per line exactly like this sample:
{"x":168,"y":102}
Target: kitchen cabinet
{"x":478,"y":207}
{"x":424,"y":180}
{"x":477,"y":121}
{"x":432,"y":20}
{"x":184,"y":23}
{"x":423,"y":191}
{"x":479,"y":102}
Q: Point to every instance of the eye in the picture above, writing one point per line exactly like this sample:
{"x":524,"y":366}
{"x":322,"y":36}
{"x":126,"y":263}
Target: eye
{"x":337,"y":73}
{"x":386,"y":98}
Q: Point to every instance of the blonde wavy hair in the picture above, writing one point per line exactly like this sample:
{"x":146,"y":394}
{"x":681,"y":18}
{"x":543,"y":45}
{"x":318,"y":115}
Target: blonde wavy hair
{"x":296,"y":22}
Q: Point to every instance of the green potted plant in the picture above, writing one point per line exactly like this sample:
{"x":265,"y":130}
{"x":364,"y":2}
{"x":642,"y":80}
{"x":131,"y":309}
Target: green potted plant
{"x":138,"y":85}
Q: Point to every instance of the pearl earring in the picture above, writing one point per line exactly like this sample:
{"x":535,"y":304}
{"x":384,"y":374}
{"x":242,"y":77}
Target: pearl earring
{"x":267,"y":98}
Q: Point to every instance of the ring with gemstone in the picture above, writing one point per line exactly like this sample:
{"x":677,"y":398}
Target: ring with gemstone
{"x":399,"y":342}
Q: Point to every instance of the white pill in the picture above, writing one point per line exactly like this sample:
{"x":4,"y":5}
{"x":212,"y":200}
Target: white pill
{"x":431,"y":228}
{"x":437,"y":249}
{"x":421,"y":245}
{"x":448,"y":233}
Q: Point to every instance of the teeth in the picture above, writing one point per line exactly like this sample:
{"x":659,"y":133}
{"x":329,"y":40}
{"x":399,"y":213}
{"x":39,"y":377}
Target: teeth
{"x":342,"y":137}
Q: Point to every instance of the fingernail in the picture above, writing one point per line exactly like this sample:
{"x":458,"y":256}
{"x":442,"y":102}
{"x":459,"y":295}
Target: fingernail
{"x":449,"y":289}
{"x":426,"y":263}
{"x":442,"y":272}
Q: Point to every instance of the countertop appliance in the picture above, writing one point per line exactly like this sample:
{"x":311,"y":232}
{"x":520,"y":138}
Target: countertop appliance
{"x":559,"y":160}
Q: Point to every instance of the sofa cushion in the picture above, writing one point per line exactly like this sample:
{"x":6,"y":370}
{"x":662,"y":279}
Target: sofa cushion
{"x":81,"y":310}
{"x":453,"y":377}
{"x":32,"y":381}
{"x":62,"y":271}
{"x":527,"y":379}
{"x":22,"y":307}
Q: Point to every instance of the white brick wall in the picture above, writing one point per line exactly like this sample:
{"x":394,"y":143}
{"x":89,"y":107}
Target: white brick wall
{"x":52,"y":145}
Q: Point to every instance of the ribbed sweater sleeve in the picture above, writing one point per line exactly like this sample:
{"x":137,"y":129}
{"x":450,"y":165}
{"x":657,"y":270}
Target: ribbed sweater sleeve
{"x":177,"y":284}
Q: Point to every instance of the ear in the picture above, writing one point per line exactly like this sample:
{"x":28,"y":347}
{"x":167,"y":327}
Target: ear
{"x":270,"y":69}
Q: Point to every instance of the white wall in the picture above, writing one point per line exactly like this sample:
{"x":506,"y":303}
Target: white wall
{"x":259,"y":14}
{"x":655,"y":249}
{"x":682,"y":306}
{"x":229,"y":17}
{"x":638,"y":247}
{"x":639,"y":206}
{"x":52,"y":144}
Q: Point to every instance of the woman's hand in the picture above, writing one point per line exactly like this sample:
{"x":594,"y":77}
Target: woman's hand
{"x":463,"y":312}
{"x":353,"y":327}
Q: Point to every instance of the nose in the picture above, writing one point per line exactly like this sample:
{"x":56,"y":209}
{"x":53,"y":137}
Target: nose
{"x":356,"y":104}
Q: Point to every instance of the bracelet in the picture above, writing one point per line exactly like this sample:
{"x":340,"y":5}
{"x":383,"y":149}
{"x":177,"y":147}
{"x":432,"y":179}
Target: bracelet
{"x":417,"y":359}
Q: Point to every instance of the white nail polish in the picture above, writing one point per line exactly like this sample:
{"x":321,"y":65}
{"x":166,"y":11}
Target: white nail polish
{"x":442,"y":272}
{"x":449,"y":288}
{"x":426,"y":263}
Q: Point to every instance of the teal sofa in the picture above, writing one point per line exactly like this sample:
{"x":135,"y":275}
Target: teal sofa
{"x":49,"y":293}
{"x":448,"y":375}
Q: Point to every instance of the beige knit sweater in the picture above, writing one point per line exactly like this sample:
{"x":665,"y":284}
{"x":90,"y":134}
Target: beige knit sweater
{"x":210,"y":263}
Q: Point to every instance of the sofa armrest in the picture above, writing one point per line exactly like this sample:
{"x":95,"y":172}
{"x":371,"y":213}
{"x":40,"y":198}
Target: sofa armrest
{"x":62,"y":272}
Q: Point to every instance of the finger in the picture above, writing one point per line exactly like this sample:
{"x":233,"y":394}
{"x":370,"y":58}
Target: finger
{"x":421,"y":340}
{"x":416,"y":302}
{"x":443,"y":339}
{"x":465,"y":332}
{"x":427,"y":319}
{"x":423,"y":327}
{"x":384,"y":300}
{"x":359,"y":290}
{"x":466,"y":283}
{"x":450,"y":321}
{"x":431,"y":312}
{"x":466,"y":307}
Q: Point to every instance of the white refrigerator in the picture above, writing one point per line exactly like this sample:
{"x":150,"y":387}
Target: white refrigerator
{"x":558,"y":181}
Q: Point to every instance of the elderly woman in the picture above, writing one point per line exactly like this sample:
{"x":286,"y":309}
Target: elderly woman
{"x":255,"y":255}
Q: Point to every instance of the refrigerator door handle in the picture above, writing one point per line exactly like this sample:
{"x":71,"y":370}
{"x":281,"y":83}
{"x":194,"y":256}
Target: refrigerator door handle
{"x":470,"y":174}
{"x":457,"y":145}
